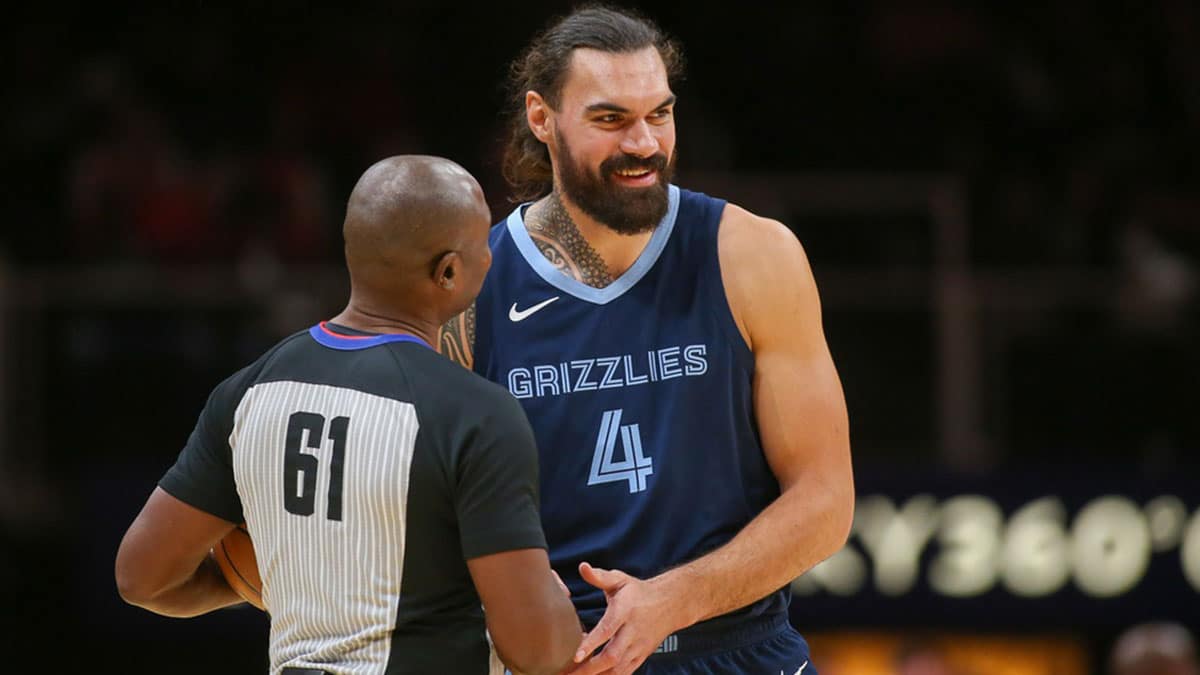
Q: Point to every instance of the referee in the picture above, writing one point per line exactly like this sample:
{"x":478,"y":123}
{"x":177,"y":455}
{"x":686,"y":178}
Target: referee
{"x":389,"y":492}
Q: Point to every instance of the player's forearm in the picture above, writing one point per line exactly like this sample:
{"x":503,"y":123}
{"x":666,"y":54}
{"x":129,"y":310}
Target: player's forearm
{"x":805,"y":525}
{"x":203,"y":591}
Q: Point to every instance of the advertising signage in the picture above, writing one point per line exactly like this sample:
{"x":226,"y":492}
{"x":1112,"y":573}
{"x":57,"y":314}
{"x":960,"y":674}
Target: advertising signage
{"x":1015,"y":550}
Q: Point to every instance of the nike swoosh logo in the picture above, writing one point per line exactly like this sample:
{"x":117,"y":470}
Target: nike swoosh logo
{"x":516,"y":315}
{"x":798,"y":672}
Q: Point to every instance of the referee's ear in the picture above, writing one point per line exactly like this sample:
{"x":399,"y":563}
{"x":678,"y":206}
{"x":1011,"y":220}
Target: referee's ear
{"x":446,"y":269}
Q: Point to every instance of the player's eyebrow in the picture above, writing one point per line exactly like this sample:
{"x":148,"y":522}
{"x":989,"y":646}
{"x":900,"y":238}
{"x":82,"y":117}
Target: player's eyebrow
{"x":605,"y":106}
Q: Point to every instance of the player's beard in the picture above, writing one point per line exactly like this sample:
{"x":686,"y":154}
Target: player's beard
{"x":624,"y":210}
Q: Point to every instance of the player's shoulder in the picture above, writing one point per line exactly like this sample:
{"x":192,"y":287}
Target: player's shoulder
{"x":761,"y":261}
{"x":750,"y":242}
{"x":741,"y":227}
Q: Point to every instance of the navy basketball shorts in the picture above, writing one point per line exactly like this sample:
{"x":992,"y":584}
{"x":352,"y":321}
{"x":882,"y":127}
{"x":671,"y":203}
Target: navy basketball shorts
{"x":762,"y":646}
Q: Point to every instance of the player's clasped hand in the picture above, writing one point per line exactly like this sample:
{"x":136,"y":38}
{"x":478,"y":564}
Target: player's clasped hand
{"x":634,"y":625}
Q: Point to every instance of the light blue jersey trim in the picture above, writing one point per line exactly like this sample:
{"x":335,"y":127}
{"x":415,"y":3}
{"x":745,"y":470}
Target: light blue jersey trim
{"x":599,"y":296}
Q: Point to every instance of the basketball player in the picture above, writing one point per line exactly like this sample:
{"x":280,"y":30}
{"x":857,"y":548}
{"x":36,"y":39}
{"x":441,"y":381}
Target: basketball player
{"x":668,"y":349}
{"x":388,"y":491}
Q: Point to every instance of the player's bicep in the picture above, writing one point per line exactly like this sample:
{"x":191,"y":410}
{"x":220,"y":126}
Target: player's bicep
{"x":801,"y":415}
{"x":798,"y":398}
{"x":456,"y":339}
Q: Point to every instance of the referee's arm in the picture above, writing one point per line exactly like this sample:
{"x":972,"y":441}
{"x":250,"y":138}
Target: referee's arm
{"x":163,"y":563}
{"x":529,"y":615}
{"x":529,"y":612}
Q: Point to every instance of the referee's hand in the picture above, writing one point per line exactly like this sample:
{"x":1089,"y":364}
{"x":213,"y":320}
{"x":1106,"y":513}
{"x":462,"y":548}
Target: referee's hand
{"x":566,"y":591}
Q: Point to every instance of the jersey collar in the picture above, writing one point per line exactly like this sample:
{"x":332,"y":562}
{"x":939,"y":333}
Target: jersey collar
{"x":600,"y":296}
{"x":324,"y":335}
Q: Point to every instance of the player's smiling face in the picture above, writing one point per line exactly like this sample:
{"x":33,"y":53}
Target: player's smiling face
{"x":614,"y":137}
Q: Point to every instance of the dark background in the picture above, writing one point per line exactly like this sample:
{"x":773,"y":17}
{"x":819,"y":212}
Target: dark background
{"x":999,"y":202}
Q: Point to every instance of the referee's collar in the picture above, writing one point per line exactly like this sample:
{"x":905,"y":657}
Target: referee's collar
{"x":324,"y":333}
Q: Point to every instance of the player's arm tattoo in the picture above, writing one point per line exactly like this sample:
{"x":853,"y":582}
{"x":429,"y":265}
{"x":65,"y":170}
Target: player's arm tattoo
{"x":456,"y":339}
{"x":559,"y":239}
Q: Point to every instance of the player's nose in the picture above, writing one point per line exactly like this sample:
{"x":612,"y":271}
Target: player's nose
{"x":639,"y":140}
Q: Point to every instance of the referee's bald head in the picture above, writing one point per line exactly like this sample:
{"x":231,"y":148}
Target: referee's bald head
{"x":416,"y":235}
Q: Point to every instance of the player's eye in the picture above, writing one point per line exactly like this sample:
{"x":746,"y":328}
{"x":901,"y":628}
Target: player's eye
{"x":608,"y":119}
{"x":661,"y":115}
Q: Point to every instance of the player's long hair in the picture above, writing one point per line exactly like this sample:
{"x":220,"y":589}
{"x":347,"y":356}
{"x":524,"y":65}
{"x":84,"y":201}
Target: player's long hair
{"x":542,"y":67}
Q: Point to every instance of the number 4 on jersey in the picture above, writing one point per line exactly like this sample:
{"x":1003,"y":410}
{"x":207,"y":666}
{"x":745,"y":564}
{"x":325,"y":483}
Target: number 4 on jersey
{"x":634,"y":468}
{"x":300,"y":468}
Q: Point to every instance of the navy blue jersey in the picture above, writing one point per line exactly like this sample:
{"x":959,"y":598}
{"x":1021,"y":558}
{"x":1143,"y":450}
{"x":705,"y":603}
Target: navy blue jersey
{"x":640,"y":397}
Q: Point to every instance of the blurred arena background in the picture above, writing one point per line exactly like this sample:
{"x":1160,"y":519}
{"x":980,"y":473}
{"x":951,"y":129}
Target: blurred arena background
{"x":1000,"y":203}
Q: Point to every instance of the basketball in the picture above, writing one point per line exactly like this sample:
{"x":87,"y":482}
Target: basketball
{"x":235,"y":556}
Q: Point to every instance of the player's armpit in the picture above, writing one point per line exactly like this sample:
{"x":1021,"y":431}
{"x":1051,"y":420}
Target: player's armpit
{"x":163,"y":564}
{"x":456,"y":339}
{"x":530,"y":619}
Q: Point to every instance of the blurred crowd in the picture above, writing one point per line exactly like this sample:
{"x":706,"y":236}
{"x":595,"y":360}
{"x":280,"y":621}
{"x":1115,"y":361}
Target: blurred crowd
{"x":199,"y":135}
{"x":186,"y":134}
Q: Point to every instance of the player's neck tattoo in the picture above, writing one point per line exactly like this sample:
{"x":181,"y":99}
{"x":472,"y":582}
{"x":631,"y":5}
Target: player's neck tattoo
{"x":559,"y":239}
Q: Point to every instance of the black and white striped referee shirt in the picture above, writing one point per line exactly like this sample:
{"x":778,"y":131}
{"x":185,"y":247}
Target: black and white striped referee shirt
{"x":368,"y":469}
